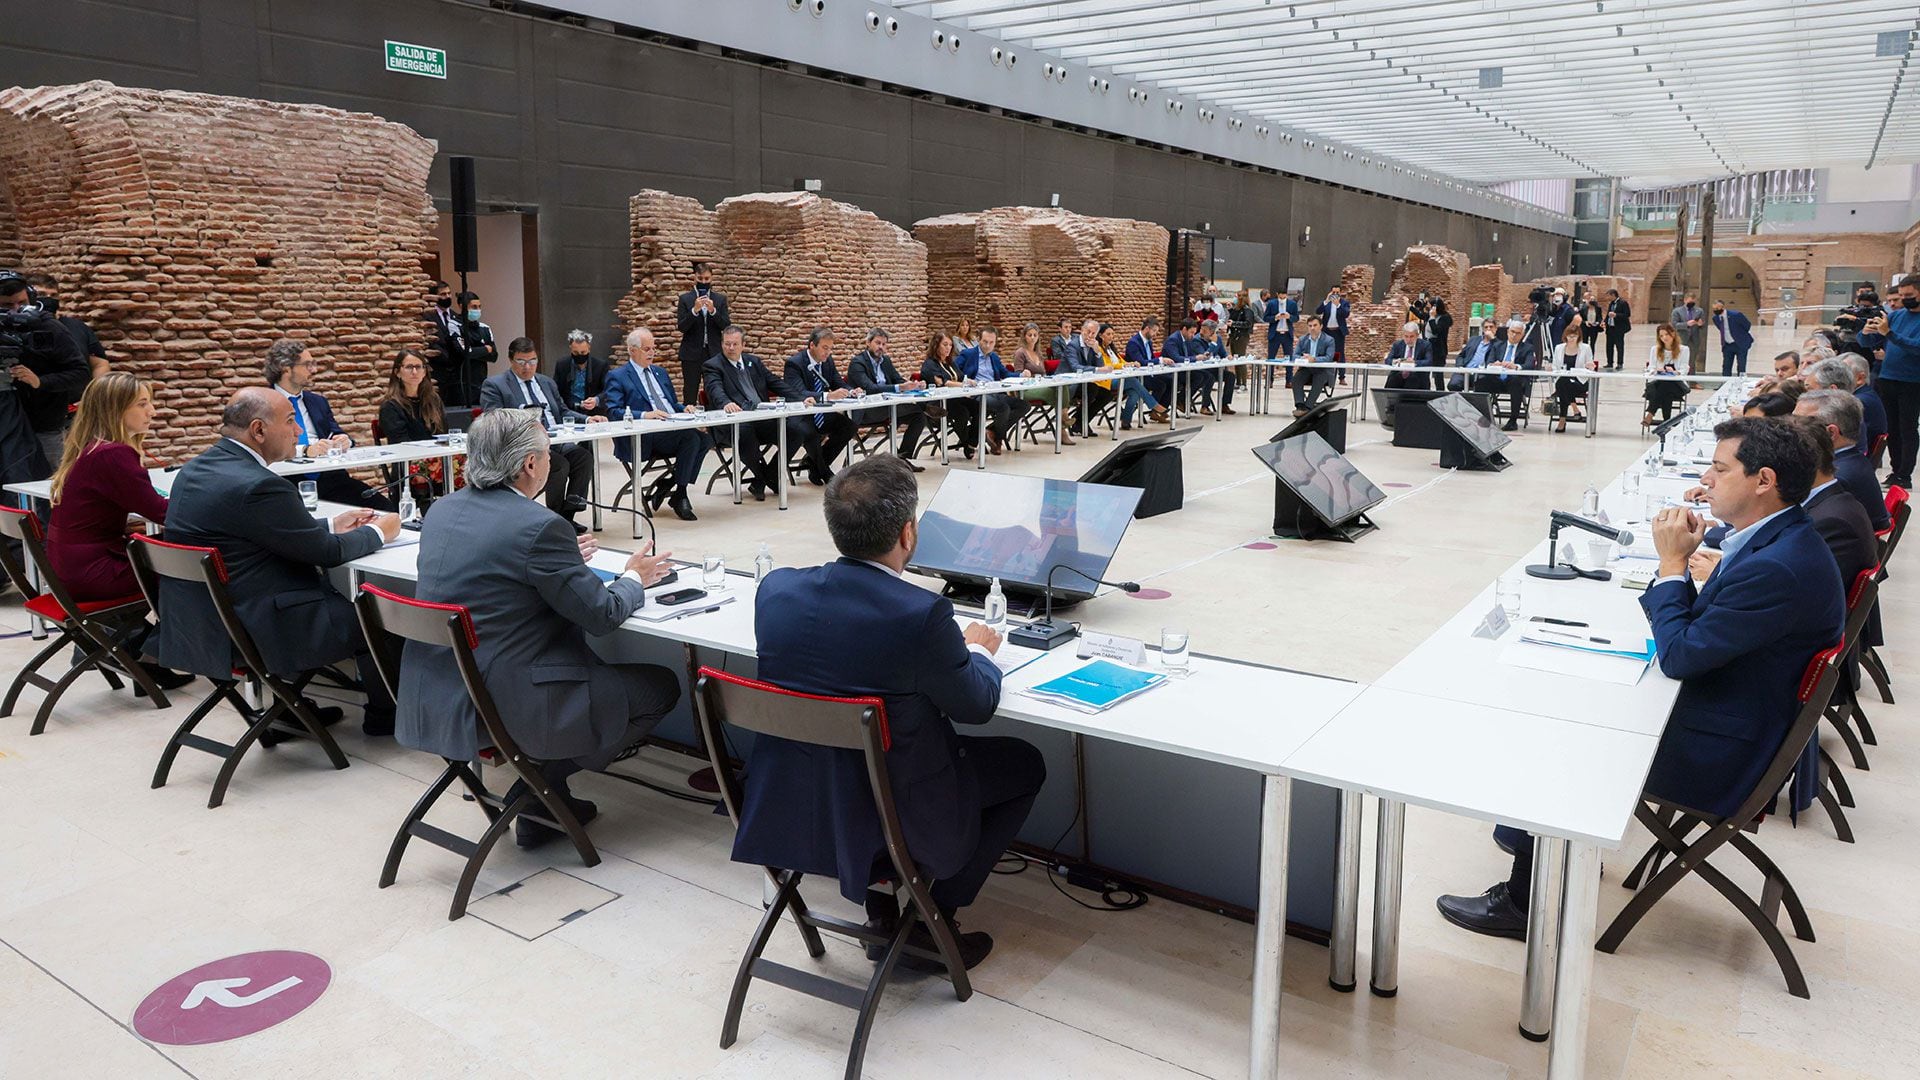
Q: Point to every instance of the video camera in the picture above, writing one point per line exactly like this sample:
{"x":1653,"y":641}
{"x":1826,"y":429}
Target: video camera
{"x":21,"y":330}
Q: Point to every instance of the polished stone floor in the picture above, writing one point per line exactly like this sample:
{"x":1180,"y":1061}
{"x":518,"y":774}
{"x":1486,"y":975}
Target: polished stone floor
{"x":108,"y":888}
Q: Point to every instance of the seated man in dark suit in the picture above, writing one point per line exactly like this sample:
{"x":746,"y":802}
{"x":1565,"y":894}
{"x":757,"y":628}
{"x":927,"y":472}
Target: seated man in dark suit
{"x":1738,"y":643}
{"x":962,"y":798}
{"x":1309,"y":383}
{"x":1516,"y":353}
{"x":735,"y":380}
{"x":523,"y":575}
{"x":1409,"y":353}
{"x":522,"y":386}
{"x":1839,"y":412}
{"x":642,"y":389}
{"x":582,"y":376}
{"x":1873,"y":411}
{"x":810,"y":373}
{"x":872,"y":372}
{"x":290,"y":369}
{"x":276,"y":556}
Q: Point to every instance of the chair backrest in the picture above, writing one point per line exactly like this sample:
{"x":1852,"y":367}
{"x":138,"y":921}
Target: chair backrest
{"x":379,"y":437}
{"x":154,"y":559}
{"x":1816,"y":688}
{"x":841,"y":723}
{"x":1899,"y":508}
{"x":1860,"y":602}
{"x":388,"y":619}
{"x":1880,"y":440}
{"x":23,"y":526}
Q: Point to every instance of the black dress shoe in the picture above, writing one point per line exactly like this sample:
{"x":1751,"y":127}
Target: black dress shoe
{"x":1500,"y":841}
{"x":164,"y":677}
{"x":974,"y":946}
{"x":573,"y":504}
{"x":1511,"y":425}
{"x":578,"y":529}
{"x":377,"y":726}
{"x":758,"y":490}
{"x":914,"y":467}
{"x":528,"y":833}
{"x":1492,"y":913}
{"x":683,"y":508}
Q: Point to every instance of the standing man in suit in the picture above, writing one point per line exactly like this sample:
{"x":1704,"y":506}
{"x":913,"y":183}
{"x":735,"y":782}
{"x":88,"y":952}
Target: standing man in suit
{"x":1738,"y":644}
{"x":811,"y":373}
{"x":290,"y":369}
{"x":524,"y":578}
{"x":701,"y":314}
{"x":1839,"y":412}
{"x":1279,"y":314}
{"x":1314,"y":347}
{"x":1691,"y":324}
{"x":276,"y":556}
{"x":581,"y":376}
{"x":812,"y":810}
{"x":1736,"y":337}
{"x":737,"y":381}
{"x":1619,"y":320}
{"x":449,"y":347}
{"x":522,"y":386}
{"x":1333,"y":314}
{"x":643,"y":388}
{"x":871,"y":371}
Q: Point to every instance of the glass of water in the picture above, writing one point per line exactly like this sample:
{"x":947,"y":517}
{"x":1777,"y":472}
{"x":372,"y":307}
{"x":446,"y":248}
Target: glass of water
{"x":310,"y":495}
{"x":713,"y":573}
{"x":1173,"y":649}
{"x":457,"y":441}
{"x":1506,"y":592}
{"x":1630,"y":483}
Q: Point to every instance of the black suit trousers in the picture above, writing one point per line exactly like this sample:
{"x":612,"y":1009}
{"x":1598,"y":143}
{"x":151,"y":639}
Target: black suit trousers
{"x":1616,"y":349}
{"x":687,"y":450}
{"x":1010,"y":774}
{"x":571,"y":473}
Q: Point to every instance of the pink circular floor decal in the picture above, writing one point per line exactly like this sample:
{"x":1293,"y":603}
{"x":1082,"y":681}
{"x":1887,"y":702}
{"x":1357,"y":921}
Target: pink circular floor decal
{"x":1151,"y":594}
{"x":231,"y":998}
{"x":1260,"y":545}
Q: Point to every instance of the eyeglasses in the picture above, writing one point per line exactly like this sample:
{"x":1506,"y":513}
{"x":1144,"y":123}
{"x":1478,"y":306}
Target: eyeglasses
{"x":413,"y":367}
{"x":525,"y":361}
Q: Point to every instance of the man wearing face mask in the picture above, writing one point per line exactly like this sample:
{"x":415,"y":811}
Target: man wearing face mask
{"x":460,"y":378}
{"x":40,"y":370}
{"x":581,"y":376}
{"x":1898,"y":332}
{"x":444,"y":323}
{"x":701,"y":314}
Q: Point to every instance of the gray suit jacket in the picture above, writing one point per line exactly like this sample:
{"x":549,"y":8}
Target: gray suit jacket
{"x":274,"y":552}
{"x":503,"y":391}
{"x":516,"y":565}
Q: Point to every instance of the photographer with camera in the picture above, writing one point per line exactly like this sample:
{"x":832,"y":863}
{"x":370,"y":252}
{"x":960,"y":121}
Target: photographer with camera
{"x":1898,"y":331}
{"x":41,"y":371}
{"x":1852,"y":322}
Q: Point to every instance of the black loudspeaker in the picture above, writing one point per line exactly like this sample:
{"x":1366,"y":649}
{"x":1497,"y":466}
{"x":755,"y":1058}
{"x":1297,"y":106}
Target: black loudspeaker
{"x":466,"y":236}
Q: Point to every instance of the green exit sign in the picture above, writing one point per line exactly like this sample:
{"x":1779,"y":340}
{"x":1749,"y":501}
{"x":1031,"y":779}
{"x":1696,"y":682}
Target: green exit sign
{"x":416,"y":60}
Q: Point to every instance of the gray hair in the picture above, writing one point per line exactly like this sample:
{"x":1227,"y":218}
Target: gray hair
{"x":579,"y":335}
{"x":281,"y":356}
{"x":499,"y":442}
{"x":1410,"y":328}
{"x":633,"y":338}
{"x":867,"y":504}
{"x":1836,"y":408}
{"x":820,"y":334}
{"x":1831,"y":374}
{"x":1858,"y":365}
{"x":878,"y":334}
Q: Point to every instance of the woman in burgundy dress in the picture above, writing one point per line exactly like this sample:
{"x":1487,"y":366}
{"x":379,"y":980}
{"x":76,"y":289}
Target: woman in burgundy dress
{"x":101,"y":493}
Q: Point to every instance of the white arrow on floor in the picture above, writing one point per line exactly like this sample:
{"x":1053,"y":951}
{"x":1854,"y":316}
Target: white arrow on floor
{"x":221,"y":992}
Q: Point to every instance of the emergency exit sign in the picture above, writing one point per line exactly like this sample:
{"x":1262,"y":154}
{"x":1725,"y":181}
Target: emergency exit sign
{"x":416,"y":60}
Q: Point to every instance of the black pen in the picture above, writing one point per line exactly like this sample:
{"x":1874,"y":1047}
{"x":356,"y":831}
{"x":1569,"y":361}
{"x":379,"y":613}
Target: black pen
{"x":1580,"y":637}
{"x":1556,"y":622}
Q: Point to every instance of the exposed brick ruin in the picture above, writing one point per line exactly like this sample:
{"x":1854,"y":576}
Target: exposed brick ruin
{"x":1356,"y":283}
{"x":1015,"y":264}
{"x":1441,"y":272}
{"x":192,"y":230}
{"x":787,"y":262}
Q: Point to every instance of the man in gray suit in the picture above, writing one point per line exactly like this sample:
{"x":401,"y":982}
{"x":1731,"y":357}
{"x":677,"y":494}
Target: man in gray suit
{"x":1689,"y":320}
{"x":275,"y":554}
{"x":522,"y":573}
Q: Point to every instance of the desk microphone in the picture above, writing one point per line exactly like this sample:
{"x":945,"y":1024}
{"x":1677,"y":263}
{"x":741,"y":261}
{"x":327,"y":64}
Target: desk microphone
{"x":1047,"y":634}
{"x":1561,"y":519}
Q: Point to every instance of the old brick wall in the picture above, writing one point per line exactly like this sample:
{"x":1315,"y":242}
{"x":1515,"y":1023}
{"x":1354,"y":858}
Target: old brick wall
{"x":192,"y":230}
{"x":787,"y":262}
{"x":1356,"y":282}
{"x":1011,"y":265}
{"x":1441,"y":272}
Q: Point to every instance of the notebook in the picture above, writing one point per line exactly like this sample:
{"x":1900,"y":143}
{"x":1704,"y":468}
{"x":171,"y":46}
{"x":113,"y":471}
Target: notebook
{"x":1096,"y":686}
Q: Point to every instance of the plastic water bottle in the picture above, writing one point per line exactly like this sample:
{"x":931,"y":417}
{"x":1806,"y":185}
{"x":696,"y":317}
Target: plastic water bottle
{"x":1590,"y":503}
{"x":626,"y":415}
{"x":996,"y":608}
{"x":408,"y":511}
{"x":762,"y":564}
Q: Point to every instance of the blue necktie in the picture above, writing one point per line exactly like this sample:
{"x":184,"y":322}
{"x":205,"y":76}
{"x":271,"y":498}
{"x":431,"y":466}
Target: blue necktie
{"x":820,"y":388}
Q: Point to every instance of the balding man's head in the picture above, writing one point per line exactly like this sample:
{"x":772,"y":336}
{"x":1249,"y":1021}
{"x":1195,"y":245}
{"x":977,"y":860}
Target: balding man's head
{"x":262,"y":419}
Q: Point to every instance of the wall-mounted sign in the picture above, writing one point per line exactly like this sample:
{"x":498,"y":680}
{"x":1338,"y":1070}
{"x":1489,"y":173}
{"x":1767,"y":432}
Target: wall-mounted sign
{"x":421,"y":60}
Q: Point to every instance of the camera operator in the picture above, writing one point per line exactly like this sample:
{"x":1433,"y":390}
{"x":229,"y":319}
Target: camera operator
{"x":47,"y":292}
{"x":1853,"y":319}
{"x":41,"y":370}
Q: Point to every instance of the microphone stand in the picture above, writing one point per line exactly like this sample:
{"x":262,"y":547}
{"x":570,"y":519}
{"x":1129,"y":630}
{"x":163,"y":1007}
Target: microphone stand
{"x":1047,"y":634}
{"x":1552,"y":570}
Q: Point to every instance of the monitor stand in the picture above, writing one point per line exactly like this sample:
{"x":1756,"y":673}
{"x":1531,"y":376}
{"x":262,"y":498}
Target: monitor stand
{"x":1022,"y":600}
{"x":1310,"y":527}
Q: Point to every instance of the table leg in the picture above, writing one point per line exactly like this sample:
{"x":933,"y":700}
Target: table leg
{"x":1346,"y":894}
{"x":1388,"y":857}
{"x":780,"y":465}
{"x":733,"y":467}
{"x":593,"y":481}
{"x":1593,"y":407}
{"x":943,"y":435}
{"x":1362,"y":380}
{"x":1086,"y":417}
{"x":1059,"y":416}
{"x":1270,"y":928}
{"x":893,"y":427}
{"x":1573,"y":978}
{"x":1173,"y":407}
{"x":1543,"y":927}
{"x":980,"y":445}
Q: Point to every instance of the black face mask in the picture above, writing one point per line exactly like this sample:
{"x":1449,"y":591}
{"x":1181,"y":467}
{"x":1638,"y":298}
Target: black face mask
{"x":444,"y":302}
{"x":1911,"y":303}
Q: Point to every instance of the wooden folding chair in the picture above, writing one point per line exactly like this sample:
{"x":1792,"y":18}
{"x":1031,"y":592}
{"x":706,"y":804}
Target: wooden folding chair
{"x":1670,"y":823}
{"x":203,"y":566}
{"x":100,"y":629}
{"x":860,"y":725}
{"x":389,"y":620}
{"x":1899,"y":508}
{"x":1844,"y":711}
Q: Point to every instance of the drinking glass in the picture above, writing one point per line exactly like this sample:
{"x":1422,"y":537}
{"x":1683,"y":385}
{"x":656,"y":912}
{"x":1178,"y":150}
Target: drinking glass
{"x":1601,"y":552}
{"x":1630,"y":484}
{"x":1173,"y":649}
{"x":310,"y":495}
{"x":1507,"y":593}
{"x":1651,"y":506}
{"x":457,"y":441}
{"x":713,"y":573}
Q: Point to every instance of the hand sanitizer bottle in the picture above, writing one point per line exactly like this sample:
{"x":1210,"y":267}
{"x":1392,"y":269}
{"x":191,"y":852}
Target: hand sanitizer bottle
{"x":996,"y":608}
{"x":762,"y":564}
{"x":627,"y":414}
{"x":408,"y":510}
{"x":1590,"y":503}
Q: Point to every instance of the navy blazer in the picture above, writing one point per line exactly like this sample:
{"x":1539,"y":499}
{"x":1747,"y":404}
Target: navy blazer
{"x":970,"y":360}
{"x":1422,"y":352}
{"x":1873,"y":415}
{"x":800,"y":384}
{"x":851,"y":629}
{"x":1326,"y":322}
{"x":1849,"y":535}
{"x":1855,"y":473}
{"x":321,"y":414}
{"x":1178,"y":347}
{"x":1735,"y":328}
{"x":1140,"y":349}
{"x":1280,"y":317}
{"x":623,"y":391}
{"x":1739,"y":645}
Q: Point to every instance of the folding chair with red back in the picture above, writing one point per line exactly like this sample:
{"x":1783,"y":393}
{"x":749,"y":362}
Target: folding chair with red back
{"x":100,"y":629}
{"x":1844,"y":712}
{"x":389,"y":620}
{"x":1671,"y":823}
{"x":857,"y":724}
{"x":203,"y":567}
{"x":1899,"y":508}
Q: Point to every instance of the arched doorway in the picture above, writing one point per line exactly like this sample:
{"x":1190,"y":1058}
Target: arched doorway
{"x":1735,"y":282}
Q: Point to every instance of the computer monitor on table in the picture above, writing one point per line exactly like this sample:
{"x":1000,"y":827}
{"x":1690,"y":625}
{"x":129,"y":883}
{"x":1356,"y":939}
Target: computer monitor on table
{"x":982,"y":525}
{"x":1477,"y":435}
{"x":1319,"y":493}
{"x":1327,"y":419}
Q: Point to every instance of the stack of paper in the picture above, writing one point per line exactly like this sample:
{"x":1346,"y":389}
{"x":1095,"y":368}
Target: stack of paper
{"x":1096,"y":687}
{"x":1619,"y":655}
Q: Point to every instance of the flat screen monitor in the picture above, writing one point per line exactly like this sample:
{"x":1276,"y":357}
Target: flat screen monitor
{"x":983,"y":525}
{"x":1473,"y":425}
{"x":1317,"y":419}
{"x":1323,"y":478}
{"x":1124,"y":453}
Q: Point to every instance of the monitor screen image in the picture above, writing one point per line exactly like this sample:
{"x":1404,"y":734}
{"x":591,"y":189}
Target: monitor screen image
{"x":1476,"y":427}
{"x":998,"y":525}
{"x":1322,"y":478}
